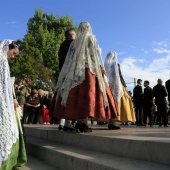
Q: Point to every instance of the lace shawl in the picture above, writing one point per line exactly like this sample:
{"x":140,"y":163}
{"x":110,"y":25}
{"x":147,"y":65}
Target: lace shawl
{"x":8,"y":125}
{"x":82,"y":54}
{"x":111,"y":66}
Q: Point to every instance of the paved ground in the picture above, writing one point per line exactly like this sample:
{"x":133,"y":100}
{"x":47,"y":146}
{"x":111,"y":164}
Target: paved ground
{"x":127,"y":131}
{"x":35,"y":164}
{"x":159,"y":135}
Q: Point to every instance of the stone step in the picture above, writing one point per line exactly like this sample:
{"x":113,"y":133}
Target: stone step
{"x":36,"y":164}
{"x":66,"y":157}
{"x":138,"y":143}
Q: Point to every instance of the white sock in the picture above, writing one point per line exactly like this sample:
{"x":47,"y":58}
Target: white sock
{"x":68,"y":123}
{"x":62,"y":122}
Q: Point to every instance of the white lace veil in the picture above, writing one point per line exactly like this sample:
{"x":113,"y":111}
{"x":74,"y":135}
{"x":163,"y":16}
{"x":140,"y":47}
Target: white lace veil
{"x":111,"y":66}
{"x":4,"y":45}
{"x":8,"y":125}
{"x":82,"y":54}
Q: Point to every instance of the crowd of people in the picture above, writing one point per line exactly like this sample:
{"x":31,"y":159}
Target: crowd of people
{"x":151,"y":105}
{"x":87,"y":88}
{"x":35,"y":104}
{"x":147,"y":106}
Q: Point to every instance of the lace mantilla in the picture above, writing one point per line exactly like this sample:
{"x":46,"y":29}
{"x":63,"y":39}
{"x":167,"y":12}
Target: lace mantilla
{"x":8,"y":125}
{"x":111,"y":66}
{"x":81,"y":54}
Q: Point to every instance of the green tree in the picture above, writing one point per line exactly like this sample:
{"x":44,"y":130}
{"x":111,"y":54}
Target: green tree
{"x":39,"y":49}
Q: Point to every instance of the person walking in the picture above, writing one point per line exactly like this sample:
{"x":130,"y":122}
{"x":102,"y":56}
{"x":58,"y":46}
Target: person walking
{"x":70,"y":35}
{"x":81,"y":88}
{"x":119,"y":89}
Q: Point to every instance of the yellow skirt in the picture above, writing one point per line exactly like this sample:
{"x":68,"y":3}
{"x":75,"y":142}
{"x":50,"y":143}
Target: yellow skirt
{"x":125,"y":108}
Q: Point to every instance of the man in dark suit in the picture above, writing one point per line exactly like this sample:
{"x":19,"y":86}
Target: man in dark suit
{"x":147,"y":103}
{"x":70,"y":35}
{"x":159,"y":92}
{"x":167,"y":85}
{"x":138,"y":101}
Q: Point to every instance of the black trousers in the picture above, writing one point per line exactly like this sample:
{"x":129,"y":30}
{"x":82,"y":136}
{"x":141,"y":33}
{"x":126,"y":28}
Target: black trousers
{"x":147,"y":112}
{"x":33,"y":115}
{"x":162,"y":113}
{"x":139,"y":113}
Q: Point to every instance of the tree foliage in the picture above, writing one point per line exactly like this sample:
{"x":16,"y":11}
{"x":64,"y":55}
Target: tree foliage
{"x":38,"y":57}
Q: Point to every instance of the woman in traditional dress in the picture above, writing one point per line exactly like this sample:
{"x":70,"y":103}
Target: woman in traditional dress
{"x":12,"y":147}
{"x":118,"y":86}
{"x":81,"y":89}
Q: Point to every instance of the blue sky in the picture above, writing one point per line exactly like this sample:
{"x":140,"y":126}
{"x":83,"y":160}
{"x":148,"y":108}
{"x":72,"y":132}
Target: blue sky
{"x":138,"y":30}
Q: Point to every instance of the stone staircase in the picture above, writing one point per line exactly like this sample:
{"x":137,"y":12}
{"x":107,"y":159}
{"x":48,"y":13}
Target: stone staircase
{"x":36,"y":164}
{"x":130,"y":148}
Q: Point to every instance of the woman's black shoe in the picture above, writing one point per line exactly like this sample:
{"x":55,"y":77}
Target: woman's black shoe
{"x":102,"y":123}
{"x":113,"y":127}
{"x":86,"y":128}
{"x":82,"y":127}
{"x":65,"y":128}
{"x":60,"y":127}
{"x":79,"y":127}
{"x":166,"y":125}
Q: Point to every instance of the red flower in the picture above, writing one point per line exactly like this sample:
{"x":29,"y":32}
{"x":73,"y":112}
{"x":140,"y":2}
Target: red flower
{"x":27,"y":79}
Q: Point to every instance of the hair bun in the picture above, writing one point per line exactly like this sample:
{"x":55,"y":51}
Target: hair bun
{"x":12,"y":45}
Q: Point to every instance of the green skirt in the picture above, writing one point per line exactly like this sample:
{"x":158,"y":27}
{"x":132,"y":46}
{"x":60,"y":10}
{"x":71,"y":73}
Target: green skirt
{"x":18,"y":156}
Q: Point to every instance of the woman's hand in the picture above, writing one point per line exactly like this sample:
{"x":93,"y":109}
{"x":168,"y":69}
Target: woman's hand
{"x":38,"y":105}
{"x":16,"y":104}
{"x":103,"y":71}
